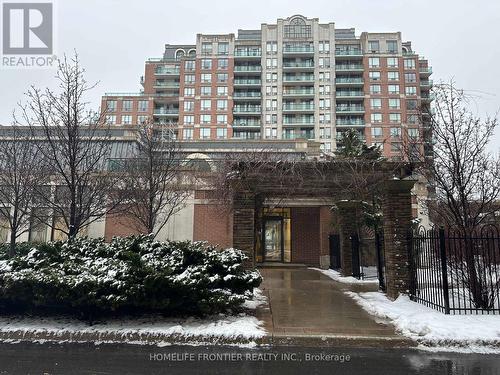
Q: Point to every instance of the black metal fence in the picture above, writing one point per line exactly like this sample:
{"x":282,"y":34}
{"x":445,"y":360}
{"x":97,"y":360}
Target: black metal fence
{"x":456,"y":271}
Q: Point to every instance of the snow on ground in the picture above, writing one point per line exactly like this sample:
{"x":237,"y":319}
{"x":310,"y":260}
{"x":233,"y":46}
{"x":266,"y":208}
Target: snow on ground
{"x":432,"y":329}
{"x":335,"y":275}
{"x":258,"y":300}
{"x":233,"y":329}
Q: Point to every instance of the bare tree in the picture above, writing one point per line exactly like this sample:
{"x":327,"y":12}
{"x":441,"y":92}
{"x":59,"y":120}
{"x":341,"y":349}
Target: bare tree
{"x":155,"y":184}
{"x":76,"y":142}
{"x":21,"y":174}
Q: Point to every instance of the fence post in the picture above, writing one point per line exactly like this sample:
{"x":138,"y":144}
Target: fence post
{"x":380,"y":262}
{"x":444,"y":270}
{"x":356,"y":272}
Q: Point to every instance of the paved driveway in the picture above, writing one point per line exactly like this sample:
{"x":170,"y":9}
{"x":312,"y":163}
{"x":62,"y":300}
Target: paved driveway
{"x":306,"y":303}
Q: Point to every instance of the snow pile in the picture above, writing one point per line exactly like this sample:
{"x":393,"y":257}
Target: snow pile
{"x":335,"y":275}
{"x":432,"y":328}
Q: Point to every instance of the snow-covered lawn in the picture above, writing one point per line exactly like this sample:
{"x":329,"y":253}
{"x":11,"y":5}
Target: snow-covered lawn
{"x":241,"y":329}
{"x":432,"y":329}
{"x":335,"y":275}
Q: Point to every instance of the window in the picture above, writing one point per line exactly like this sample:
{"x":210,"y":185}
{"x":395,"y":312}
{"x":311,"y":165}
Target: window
{"x":221,"y":104}
{"x":126,"y":119}
{"x":221,"y":119}
{"x":221,"y":90}
{"x":412,"y":119}
{"x":271,"y":77}
{"x":409,"y":63}
{"x":393,"y":76}
{"x":297,"y":29}
{"x":188,"y":91}
{"x":272,"y":47}
{"x":394,"y":103}
{"x":374,"y":76}
{"x":377,"y":132}
{"x":410,"y":77}
{"x":411,"y":104}
{"x":189,"y":65}
{"x":413,"y":133}
{"x":395,"y":118}
{"x":142,"y":105}
{"x":373,"y":46}
{"x":111,"y":119}
{"x":223,"y":48}
{"x":325,"y":118}
{"x":324,"y":47}
{"x":271,"y":63}
{"x":392,"y":62}
{"x":142,"y":119}
{"x":188,"y":106}
{"x":221,"y":133}
{"x":187,"y":134}
{"x":324,"y":104}
{"x":376,"y":117}
{"x":392,"y":46}
{"x":375,"y":89}
{"x":127,"y":105}
{"x":324,"y":90}
{"x":204,"y":133}
{"x":111,"y":105}
{"x":206,"y":105}
{"x":324,"y":62}
{"x":411,"y":90}
{"x":189,"y":78}
{"x":376,"y":103}
{"x":206,"y":90}
{"x":271,"y":133}
{"x":222,"y":77}
{"x":373,"y":62}
{"x":222,"y":64}
{"x":393,"y":89}
{"x":325,"y":133}
{"x":206,"y":48}
{"x":396,"y":132}
{"x":205,"y":119}
{"x":324,"y":76}
{"x":271,"y":119}
{"x":206,"y":64}
{"x":188,"y":120}
{"x":206,"y":78}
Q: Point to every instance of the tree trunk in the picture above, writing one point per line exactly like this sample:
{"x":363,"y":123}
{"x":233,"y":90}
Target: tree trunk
{"x":12,"y":247}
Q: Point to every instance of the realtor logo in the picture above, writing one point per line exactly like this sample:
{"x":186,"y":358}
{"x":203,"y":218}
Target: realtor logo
{"x":27,"y":28}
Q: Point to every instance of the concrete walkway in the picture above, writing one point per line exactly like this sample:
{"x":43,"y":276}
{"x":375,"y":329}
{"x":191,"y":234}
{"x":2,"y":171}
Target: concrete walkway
{"x":306,"y":305}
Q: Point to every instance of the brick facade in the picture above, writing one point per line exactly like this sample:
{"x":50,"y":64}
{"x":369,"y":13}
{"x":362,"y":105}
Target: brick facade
{"x":213,"y":225}
{"x":305,"y":235}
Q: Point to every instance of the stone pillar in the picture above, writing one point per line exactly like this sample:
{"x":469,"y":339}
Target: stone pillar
{"x":243,"y":224}
{"x":397,"y":214}
{"x":325,"y":224}
{"x":349,"y":213}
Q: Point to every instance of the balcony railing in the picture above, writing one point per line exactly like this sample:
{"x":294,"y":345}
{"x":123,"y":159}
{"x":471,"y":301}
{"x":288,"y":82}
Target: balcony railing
{"x":298,"y":64}
{"x":350,"y":122}
{"x":298,"y":92}
{"x":350,"y":108}
{"x":167,"y":71}
{"x":247,"y":81}
{"x":341,"y":94}
{"x":349,"y":67}
{"x":164,"y":111}
{"x":298,"y":107}
{"x":298,"y":120}
{"x":247,"y":53}
{"x":299,"y":135}
{"x":166,"y":85}
{"x":300,"y":49}
{"x":298,"y":78}
{"x":247,"y":68}
{"x":247,"y":109}
{"x":426,"y":83}
{"x":348,"y":52}
{"x":348,"y":80}
{"x":248,"y":123}
{"x":247,"y":94}
{"x":425,"y":70}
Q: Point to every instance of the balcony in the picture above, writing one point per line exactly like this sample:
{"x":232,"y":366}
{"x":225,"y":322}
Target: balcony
{"x":350,"y":94}
{"x":250,"y":110}
{"x":167,"y":72}
{"x":247,"y":53}
{"x":247,"y":82}
{"x":247,"y":95}
{"x":288,"y":50}
{"x":166,"y":112}
{"x":299,"y":92}
{"x":289,"y":65}
{"x":426,"y":83}
{"x":304,"y":134}
{"x":309,"y":120}
{"x":166,"y":85}
{"x":298,"y":78}
{"x":348,"y":52}
{"x":425,"y":70}
{"x":345,"y":81}
{"x":244,"y":123}
{"x":349,"y":109}
{"x":298,"y":107}
{"x":350,"y":122}
{"x":247,"y":68}
{"x":349,"y":67}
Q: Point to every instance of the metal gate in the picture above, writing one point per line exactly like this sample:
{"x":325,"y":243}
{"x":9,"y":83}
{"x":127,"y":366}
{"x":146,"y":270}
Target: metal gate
{"x":334,"y":241}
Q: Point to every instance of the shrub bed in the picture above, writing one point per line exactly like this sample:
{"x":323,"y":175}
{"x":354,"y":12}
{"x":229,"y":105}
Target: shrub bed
{"x":89,"y":278}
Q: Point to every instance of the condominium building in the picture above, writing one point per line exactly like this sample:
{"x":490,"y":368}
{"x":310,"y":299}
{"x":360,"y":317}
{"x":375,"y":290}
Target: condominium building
{"x":297,"y":78}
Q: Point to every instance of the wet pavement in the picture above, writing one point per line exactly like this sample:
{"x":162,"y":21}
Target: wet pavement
{"x":75,"y":359}
{"x":304,"y":302}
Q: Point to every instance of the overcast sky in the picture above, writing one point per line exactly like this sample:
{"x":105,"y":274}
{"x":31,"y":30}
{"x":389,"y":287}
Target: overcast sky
{"x":113,"y":38}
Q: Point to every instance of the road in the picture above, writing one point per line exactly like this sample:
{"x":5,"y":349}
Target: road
{"x":27,"y":358}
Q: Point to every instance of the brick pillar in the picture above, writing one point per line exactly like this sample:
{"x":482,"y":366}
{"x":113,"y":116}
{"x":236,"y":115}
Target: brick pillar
{"x":243,"y":224}
{"x":349,"y":214}
{"x":325,"y":224}
{"x":397,"y":214}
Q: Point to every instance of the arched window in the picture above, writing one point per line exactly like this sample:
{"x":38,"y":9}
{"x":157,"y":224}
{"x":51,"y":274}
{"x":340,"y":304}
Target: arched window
{"x":297,"y":29}
{"x":179,"y":54}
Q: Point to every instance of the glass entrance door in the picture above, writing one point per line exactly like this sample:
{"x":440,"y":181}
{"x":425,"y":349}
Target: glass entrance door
{"x":273,"y":239}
